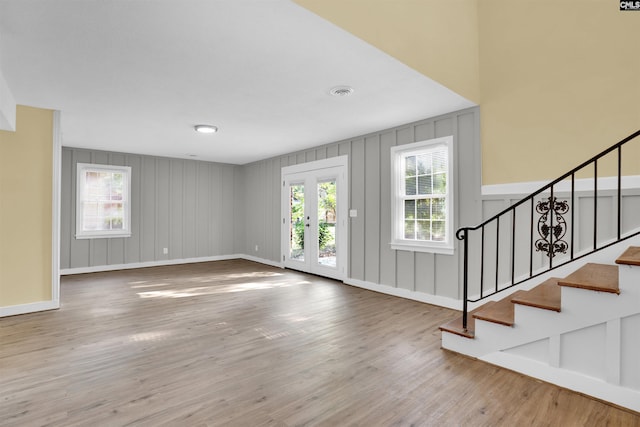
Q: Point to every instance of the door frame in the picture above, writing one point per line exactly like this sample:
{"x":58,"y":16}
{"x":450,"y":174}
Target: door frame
{"x":342,"y":162}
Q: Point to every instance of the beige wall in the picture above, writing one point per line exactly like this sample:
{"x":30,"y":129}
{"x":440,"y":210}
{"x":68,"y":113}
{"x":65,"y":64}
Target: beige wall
{"x":559,"y":83}
{"x":438,"y":38}
{"x":557,"y":79}
{"x":26,"y":158}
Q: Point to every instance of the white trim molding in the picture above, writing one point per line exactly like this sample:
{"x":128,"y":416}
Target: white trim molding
{"x":159,"y":263}
{"x":7,"y":107}
{"x":440,"y":301}
{"x":14,"y":310}
{"x":56,"y":208}
{"x":399,"y":197}
{"x":125,"y":172}
{"x":582,"y":184}
{"x":581,"y":383}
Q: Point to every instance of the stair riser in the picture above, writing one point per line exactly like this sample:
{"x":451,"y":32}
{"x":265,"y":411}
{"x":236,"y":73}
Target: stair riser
{"x":629,"y":278}
{"x":586,"y":304}
{"x":462,"y":345}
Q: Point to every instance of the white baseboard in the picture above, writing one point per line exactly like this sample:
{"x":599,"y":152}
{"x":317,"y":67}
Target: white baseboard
{"x":99,"y":268}
{"x":32,"y":307}
{"x":55,"y":304}
{"x":621,"y":396}
{"x":262,"y":261}
{"x":405,"y":293}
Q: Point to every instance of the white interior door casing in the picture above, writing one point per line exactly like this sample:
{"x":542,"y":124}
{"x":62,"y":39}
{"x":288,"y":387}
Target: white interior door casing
{"x":314,"y":217}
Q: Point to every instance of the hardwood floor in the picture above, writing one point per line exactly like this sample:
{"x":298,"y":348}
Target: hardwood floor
{"x":237,"y":343}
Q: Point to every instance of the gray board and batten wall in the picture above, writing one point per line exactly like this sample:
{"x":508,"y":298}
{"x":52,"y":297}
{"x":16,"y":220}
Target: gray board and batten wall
{"x":371,"y":258}
{"x":203,"y":209}
{"x":186,"y":206}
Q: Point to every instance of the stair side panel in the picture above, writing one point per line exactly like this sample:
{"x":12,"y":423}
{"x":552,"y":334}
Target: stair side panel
{"x":630,"y":352}
{"x":584,"y":351}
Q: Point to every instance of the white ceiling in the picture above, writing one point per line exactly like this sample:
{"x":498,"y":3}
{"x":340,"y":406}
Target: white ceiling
{"x":135,"y":76}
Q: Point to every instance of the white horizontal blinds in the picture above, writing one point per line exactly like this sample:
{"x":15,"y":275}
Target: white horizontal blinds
{"x":103,"y":200}
{"x":424,"y":193}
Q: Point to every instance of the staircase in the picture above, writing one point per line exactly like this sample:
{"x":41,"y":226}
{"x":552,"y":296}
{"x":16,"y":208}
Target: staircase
{"x":581,"y":331}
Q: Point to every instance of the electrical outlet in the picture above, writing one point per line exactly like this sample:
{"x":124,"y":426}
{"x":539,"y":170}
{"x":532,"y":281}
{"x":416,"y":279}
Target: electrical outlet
{"x":256,"y":248}
{"x":165,"y":250}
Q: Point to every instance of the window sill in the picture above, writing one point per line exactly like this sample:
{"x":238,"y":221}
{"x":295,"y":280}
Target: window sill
{"x":442,"y":250}
{"x":102,"y":236}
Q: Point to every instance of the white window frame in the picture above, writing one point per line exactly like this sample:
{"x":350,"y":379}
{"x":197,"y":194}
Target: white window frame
{"x":398,"y":242}
{"x":82,"y":169}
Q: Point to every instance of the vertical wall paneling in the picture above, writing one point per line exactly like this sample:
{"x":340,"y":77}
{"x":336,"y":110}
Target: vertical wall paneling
{"x":132,"y":245}
{"x":203,"y":209}
{"x":215,"y":197}
{"x":275,"y":231}
{"x":162,"y":208}
{"x":321,"y":153}
{"x":372,"y":209}
{"x":405,"y":270}
{"x":358,"y":189}
{"x":66,"y":227}
{"x":229,"y":190}
{"x":170,"y":200}
{"x":425,"y":272}
{"x":310,"y":156}
{"x":238,"y":207}
{"x":333,"y":150}
{"x":371,"y":258}
{"x":148,"y":209}
{"x":387,"y":260}
{"x":424,"y":131}
{"x":176,"y":173}
{"x":79,"y":248}
{"x":190,"y":207}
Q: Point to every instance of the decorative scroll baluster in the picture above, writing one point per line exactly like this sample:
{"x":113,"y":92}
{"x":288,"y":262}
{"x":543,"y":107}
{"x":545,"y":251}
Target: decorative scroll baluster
{"x":551,"y":226}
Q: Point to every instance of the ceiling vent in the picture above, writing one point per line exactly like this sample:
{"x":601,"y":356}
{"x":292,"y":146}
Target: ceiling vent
{"x":341,"y":91}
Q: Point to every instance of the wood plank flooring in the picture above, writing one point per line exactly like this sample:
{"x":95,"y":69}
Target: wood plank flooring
{"x":236,"y":343}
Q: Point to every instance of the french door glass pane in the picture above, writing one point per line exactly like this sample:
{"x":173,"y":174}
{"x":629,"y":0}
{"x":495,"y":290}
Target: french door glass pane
{"x":297,"y":225}
{"x":327,"y":223}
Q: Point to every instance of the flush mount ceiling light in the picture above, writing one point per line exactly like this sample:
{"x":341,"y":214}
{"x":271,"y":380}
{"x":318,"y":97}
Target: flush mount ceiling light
{"x":341,"y":91}
{"x":206,"y":128}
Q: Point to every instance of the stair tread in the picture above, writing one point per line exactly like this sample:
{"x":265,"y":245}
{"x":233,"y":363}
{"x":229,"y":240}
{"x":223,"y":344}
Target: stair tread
{"x":594,"y":277}
{"x":630,"y":257}
{"x":499,"y":312}
{"x":455,"y":326}
{"x":545,"y":296}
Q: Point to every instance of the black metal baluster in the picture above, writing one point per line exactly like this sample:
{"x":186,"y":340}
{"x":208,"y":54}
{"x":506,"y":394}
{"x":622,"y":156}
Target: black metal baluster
{"x":465,"y":291}
{"x":531,"y":241}
{"x":573,"y":188}
{"x":552,"y":203}
{"x":482,"y":263}
{"x":551,"y":230}
{"x":619,"y":190}
{"x":595,"y":204}
{"x":513,"y":246}
{"x":497,"y":249}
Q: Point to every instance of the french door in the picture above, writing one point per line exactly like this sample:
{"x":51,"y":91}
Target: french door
{"x":314,"y":220}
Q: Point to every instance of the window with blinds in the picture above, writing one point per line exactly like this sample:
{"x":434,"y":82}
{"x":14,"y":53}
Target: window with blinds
{"x":422,"y":202}
{"x":102,"y":202}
